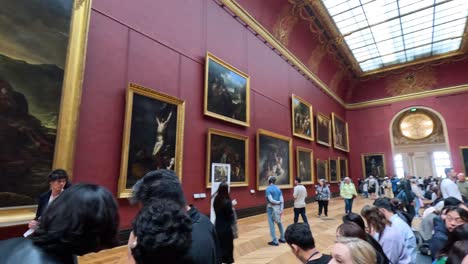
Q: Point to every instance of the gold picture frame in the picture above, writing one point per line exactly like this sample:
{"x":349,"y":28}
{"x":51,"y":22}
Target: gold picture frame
{"x":333,"y":170}
{"x":218,"y":102}
{"x":307,"y":170}
{"x":340,"y":133}
{"x":158,"y":122}
{"x":464,"y":160}
{"x":302,"y":118}
{"x":373,"y":163}
{"x":343,"y":163}
{"x":323,"y":128}
{"x":322,"y":170}
{"x":272,"y":146}
{"x":233,"y":150}
{"x":69,"y":106}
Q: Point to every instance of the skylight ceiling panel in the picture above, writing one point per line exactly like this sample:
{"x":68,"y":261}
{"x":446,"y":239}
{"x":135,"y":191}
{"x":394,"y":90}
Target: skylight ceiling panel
{"x":408,"y":6}
{"x":371,"y":65}
{"x":380,"y":10}
{"x":359,"y":39}
{"x":417,"y":21}
{"x":391,"y":46}
{"x":356,"y":20}
{"x":446,"y":46}
{"x":418,"y":38}
{"x":366,"y":53}
{"x":342,"y":7}
{"x":451,"y":11}
{"x":394,"y":58}
{"x":419,"y":52}
{"x":386,"y":30}
{"x":448,"y":30}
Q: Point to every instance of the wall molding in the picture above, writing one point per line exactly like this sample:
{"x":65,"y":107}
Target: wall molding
{"x":245,"y":18}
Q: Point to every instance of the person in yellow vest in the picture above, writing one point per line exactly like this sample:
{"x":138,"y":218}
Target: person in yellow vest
{"x":348,"y":192}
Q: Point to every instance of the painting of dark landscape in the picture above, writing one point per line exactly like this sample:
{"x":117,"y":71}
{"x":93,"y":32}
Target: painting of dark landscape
{"x":33,"y":49}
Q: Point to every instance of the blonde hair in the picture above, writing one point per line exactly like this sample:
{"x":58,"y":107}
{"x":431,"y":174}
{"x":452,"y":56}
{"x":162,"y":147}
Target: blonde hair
{"x":361,"y":251}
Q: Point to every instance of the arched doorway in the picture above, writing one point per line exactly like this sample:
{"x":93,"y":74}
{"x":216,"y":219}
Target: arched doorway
{"x":419,"y":141}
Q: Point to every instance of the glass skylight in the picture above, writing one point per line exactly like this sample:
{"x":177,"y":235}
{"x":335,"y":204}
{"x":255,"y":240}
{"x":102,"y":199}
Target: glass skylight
{"x":381,"y":33}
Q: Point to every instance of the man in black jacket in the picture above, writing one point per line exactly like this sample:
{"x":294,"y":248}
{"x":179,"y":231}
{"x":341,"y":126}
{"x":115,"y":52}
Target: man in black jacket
{"x":165,"y":184}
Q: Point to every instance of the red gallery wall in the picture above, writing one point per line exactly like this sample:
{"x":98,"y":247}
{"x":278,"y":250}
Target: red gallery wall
{"x":369,"y":128}
{"x":162,"y":45}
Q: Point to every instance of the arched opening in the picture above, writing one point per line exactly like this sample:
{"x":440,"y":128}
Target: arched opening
{"x":420,"y":144}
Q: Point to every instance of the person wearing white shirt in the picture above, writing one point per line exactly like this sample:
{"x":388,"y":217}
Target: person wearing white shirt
{"x":448,"y":187}
{"x":300,"y":194}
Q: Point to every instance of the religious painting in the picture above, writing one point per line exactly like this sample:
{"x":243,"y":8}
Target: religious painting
{"x":343,"y":168}
{"x":373,"y":164}
{"x":323,"y":130}
{"x":42,"y":51}
{"x":228,"y":148}
{"x":333,"y":172}
{"x":340,"y":133}
{"x":304,"y":165}
{"x":464,"y":155}
{"x":322,"y":169}
{"x":153,"y":135}
{"x":227,"y":92}
{"x":302,"y":118}
{"x":273,"y":159}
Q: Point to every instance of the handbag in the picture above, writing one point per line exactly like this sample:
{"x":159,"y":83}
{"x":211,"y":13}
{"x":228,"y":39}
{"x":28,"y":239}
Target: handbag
{"x":235,"y":232}
{"x":318,"y":197}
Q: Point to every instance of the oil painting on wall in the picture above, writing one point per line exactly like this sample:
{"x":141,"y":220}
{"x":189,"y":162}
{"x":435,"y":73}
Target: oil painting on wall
{"x":340,"y":133}
{"x":228,"y":148}
{"x":323,"y":130}
{"x":273,"y":159}
{"x":373,"y":164}
{"x":302,"y":118}
{"x":34,"y":37}
{"x":153,"y":135}
{"x":227,"y":92}
{"x":304,"y":164}
{"x":322,"y":169}
{"x":334,"y":170}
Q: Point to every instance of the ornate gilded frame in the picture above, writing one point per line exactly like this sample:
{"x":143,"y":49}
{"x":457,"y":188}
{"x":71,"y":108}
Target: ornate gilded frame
{"x":213,"y":131}
{"x":345,"y":170}
{"x":123,"y":192}
{"x":337,"y":169}
{"x":324,"y":163}
{"x":312,"y":174}
{"x":363,"y":162}
{"x":311,"y":114}
{"x":334,"y":118}
{"x":69,"y":106}
{"x":463,"y":160}
{"x":322,"y":116}
{"x":277,"y":136}
{"x":211,"y":57}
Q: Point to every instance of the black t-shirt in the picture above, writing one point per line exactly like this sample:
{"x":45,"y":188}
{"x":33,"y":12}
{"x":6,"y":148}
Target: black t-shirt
{"x":324,"y":259}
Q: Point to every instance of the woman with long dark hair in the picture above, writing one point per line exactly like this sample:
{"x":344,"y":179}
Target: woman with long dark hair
{"x":352,"y":229}
{"x":224,"y":220}
{"x":459,"y":233}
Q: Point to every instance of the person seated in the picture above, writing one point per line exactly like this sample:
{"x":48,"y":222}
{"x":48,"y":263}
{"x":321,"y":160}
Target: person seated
{"x":161,"y":231}
{"x":459,"y":252}
{"x":350,"y":250}
{"x":302,"y":243}
{"x":351,"y":229}
{"x":58,"y":181}
{"x":458,"y":234}
{"x":451,"y":217}
{"x":83,"y":219}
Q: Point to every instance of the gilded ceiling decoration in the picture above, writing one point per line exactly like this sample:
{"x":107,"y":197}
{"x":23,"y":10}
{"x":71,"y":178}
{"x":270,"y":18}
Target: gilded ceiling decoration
{"x":285,"y":24}
{"x":411,"y":82}
{"x":335,"y":81}
{"x":316,"y":57}
{"x":417,"y":127}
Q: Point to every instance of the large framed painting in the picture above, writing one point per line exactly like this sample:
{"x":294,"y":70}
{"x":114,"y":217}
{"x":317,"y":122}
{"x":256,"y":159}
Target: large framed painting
{"x":273,"y":159}
{"x":302,"y":118}
{"x":323,"y":130}
{"x":373,"y":164}
{"x":322,"y":169}
{"x":228,"y":148}
{"x":305,"y":165}
{"x":153,"y":135}
{"x":334,"y":170}
{"x":227,"y":92}
{"x":340,"y":133}
{"x":42,"y":54}
{"x":343,"y":168}
{"x":464,"y":156}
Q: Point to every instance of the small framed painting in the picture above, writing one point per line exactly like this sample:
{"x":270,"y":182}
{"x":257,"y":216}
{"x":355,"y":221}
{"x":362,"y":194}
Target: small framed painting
{"x":302,"y":118}
{"x":305,"y":165}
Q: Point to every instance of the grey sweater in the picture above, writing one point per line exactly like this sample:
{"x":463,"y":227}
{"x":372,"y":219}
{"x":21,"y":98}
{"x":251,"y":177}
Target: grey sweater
{"x":324,"y":191}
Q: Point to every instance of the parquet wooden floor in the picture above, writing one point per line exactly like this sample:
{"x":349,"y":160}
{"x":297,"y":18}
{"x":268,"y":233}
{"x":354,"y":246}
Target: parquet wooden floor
{"x":251,"y":247}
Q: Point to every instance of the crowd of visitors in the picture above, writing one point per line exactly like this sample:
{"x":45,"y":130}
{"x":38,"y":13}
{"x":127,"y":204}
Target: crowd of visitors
{"x":84,"y":218}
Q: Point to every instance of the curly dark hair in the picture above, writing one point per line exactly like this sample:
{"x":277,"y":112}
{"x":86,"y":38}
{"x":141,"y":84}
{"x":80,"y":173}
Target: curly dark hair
{"x":159,"y":184}
{"x":164,"y":232}
{"x":83,"y":219}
